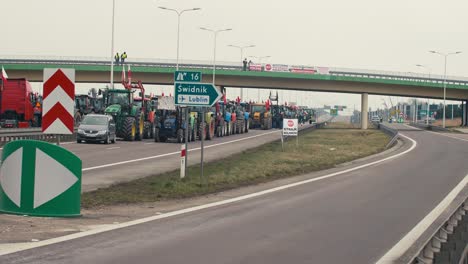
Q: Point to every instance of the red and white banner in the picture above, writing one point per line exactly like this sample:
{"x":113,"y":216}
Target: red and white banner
{"x":276,"y":67}
{"x":255,"y":67}
{"x":301,"y":69}
{"x":323,"y":70}
{"x":58,"y":101}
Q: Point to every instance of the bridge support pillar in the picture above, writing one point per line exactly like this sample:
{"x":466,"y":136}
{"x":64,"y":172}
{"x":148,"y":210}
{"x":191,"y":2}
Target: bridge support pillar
{"x":465,"y":113}
{"x":364,"y":107}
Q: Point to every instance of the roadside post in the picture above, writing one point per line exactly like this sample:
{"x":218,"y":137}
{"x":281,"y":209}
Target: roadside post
{"x":290,"y":128}
{"x":186,"y":76}
{"x":39,"y":179}
{"x":196,"y":94}
{"x":183,"y":155}
{"x":58,"y":102}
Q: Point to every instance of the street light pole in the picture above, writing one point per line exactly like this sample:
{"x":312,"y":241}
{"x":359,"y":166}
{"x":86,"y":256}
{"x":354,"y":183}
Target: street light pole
{"x":179,"y":14}
{"x":215,"y":33}
{"x":241,"y":59}
{"x":445,"y":55}
{"x":112,"y":48}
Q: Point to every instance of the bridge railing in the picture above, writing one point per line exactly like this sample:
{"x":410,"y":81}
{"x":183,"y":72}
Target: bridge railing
{"x":171,"y":63}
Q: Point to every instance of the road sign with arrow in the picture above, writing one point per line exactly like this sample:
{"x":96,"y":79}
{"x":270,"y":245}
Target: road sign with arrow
{"x":196,"y":94}
{"x":41,"y":179}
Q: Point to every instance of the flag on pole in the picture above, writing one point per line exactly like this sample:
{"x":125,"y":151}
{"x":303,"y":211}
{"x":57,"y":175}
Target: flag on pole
{"x":129,"y":75}
{"x":4,"y":76}
{"x":123,"y":75}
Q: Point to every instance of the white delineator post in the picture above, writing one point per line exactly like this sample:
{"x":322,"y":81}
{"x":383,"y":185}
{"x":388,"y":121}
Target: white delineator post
{"x":182,"y":161}
{"x":364,"y":106}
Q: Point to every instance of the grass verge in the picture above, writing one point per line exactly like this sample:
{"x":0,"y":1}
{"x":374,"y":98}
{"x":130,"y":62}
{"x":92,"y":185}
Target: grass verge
{"x":318,"y":150}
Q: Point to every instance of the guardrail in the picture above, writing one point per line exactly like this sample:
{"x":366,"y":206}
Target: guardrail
{"x":6,"y":138}
{"x":448,"y":242}
{"x":389,"y":131}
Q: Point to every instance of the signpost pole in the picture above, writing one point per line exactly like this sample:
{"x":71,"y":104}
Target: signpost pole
{"x":58,"y":139}
{"x":186,"y":138}
{"x":202,"y":143}
{"x":297,"y":139}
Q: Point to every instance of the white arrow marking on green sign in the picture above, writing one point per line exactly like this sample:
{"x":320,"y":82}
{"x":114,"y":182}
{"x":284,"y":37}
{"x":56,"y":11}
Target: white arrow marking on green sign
{"x":51,"y":180}
{"x":10,"y":176}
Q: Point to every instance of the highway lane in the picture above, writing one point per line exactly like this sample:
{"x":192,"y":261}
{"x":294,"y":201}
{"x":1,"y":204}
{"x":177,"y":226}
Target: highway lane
{"x":355,"y":217}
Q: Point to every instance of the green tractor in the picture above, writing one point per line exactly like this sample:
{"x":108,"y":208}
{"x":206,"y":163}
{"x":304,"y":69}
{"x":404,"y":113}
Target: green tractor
{"x":208,"y":126}
{"x":128,"y":117}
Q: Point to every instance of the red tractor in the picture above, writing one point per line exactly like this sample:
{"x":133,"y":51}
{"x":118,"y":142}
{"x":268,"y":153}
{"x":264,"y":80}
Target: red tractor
{"x":19,"y":106}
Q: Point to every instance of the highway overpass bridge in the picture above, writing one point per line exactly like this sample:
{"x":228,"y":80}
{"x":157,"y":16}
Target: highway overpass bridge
{"x":364,"y":82}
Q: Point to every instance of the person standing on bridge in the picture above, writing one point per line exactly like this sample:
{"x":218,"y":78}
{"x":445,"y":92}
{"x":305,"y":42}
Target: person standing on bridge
{"x":117,"y":57}
{"x":244,"y":65}
{"x":123,"y":57}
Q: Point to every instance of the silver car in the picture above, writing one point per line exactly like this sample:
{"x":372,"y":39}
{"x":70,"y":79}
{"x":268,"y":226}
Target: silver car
{"x":96,"y":128}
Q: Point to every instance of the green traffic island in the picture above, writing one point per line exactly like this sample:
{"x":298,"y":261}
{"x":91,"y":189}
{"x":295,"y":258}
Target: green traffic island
{"x":317,"y":150}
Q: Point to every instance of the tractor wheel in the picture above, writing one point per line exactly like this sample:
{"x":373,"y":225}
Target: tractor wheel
{"x":108,"y":140}
{"x":200,"y":131}
{"x":180,"y":135}
{"x":129,"y":129}
{"x":152,"y":130}
{"x":156,"y":135}
{"x":147,"y":130}
{"x":193,"y":134}
{"x":140,"y":125}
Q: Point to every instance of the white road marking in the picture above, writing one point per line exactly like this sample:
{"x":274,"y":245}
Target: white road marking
{"x":441,"y":134}
{"x":12,"y":248}
{"x":445,"y":135}
{"x":149,"y":143}
{"x":113,"y":148}
{"x":400,"y":248}
{"x":172,"y":153}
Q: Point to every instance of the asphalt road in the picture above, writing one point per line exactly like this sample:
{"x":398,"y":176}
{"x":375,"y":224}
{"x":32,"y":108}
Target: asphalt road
{"x":355,"y":217}
{"x":104,"y":165}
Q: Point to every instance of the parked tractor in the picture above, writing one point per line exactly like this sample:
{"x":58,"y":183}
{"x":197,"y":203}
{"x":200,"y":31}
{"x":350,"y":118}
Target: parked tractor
{"x":260,"y":116}
{"x":208,"y":126}
{"x":148,"y":108}
{"x":170,"y":122}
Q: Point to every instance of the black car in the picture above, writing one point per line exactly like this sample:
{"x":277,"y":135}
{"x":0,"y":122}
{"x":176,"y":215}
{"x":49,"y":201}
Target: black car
{"x":96,"y":128}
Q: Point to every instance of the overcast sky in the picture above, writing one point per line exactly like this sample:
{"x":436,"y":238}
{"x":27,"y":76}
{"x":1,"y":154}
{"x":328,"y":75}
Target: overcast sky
{"x":369,"y":34}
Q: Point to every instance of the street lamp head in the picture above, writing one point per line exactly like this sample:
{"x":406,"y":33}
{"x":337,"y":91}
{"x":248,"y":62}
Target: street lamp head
{"x":419,"y":65}
{"x":458,"y":52}
{"x":433,"y":51}
{"x":163,"y":8}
